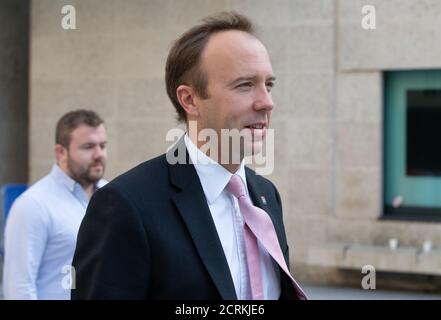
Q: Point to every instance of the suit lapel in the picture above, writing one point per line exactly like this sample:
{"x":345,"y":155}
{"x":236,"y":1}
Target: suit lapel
{"x":192,"y":205}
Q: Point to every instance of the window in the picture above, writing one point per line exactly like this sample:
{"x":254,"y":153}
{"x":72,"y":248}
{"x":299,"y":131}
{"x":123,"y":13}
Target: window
{"x":423,"y":119}
{"x":412,"y":145}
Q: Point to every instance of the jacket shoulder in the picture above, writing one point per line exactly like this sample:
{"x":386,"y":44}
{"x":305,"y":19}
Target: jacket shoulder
{"x":149,"y":175}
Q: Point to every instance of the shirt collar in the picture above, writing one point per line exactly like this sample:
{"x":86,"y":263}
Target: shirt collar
{"x":212,"y":175}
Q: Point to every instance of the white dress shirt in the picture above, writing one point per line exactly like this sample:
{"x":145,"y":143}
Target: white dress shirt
{"x":40,"y":238}
{"x":229,"y":223}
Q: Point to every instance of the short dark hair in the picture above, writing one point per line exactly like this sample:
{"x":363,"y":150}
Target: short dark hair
{"x":183,"y":62}
{"x":72,"y":120}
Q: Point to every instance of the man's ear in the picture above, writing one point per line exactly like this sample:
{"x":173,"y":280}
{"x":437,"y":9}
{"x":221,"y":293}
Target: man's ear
{"x":60,"y":153}
{"x":186,"y":97}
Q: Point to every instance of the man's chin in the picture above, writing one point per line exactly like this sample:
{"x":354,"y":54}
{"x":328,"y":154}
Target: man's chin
{"x":253,"y":148}
{"x":94,"y":177}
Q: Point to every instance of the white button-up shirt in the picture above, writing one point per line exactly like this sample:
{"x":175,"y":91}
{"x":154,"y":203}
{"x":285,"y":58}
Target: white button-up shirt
{"x":40,"y":238}
{"x":229,"y":223}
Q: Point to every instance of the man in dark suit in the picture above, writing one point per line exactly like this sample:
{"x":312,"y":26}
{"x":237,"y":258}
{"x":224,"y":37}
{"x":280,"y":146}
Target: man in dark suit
{"x":166,"y":230}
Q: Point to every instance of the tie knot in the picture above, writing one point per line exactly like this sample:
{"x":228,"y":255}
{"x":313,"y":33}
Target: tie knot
{"x":236,"y":186}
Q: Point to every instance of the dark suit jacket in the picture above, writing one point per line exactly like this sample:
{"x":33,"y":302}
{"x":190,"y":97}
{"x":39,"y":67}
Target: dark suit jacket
{"x":149,"y":234}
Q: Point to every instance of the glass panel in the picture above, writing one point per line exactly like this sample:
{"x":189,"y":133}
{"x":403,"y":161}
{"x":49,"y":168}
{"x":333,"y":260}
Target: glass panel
{"x":423,"y":132}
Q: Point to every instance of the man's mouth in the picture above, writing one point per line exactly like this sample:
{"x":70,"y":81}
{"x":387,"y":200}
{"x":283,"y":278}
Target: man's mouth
{"x":256,"y":126}
{"x":258,"y":130}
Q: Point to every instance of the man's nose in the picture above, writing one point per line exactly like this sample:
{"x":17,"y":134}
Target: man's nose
{"x":99,"y":152}
{"x":264,"y":100}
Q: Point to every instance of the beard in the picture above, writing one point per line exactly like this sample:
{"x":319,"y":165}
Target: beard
{"x":85,"y":174}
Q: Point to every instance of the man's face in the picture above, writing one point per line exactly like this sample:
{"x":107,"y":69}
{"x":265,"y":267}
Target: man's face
{"x":86,"y":156}
{"x":240,"y":78}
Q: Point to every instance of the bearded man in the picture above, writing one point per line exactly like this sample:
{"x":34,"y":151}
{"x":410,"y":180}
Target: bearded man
{"x":42,"y":226}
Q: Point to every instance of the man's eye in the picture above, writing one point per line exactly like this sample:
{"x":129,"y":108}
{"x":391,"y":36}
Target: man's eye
{"x":245,"y":85}
{"x":269,"y":86}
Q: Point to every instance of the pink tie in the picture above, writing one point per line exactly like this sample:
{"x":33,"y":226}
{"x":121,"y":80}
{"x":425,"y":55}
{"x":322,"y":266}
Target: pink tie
{"x":258,"y":225}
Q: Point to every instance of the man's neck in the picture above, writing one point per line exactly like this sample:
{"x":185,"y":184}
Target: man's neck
{"x":89,"y":189}
{"x":217,"y":156}
{"x":232,"y":168}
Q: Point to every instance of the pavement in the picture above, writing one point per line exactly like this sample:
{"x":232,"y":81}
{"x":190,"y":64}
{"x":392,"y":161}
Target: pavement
{"x":321,"y":292}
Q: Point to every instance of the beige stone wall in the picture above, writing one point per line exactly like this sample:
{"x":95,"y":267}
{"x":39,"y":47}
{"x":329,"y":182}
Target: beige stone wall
{"x":408,"y":36}
{"x":328,"y":115}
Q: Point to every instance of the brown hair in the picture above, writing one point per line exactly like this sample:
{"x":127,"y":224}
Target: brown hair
{"x":183,"y":62}
{"x":72,"y":120}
